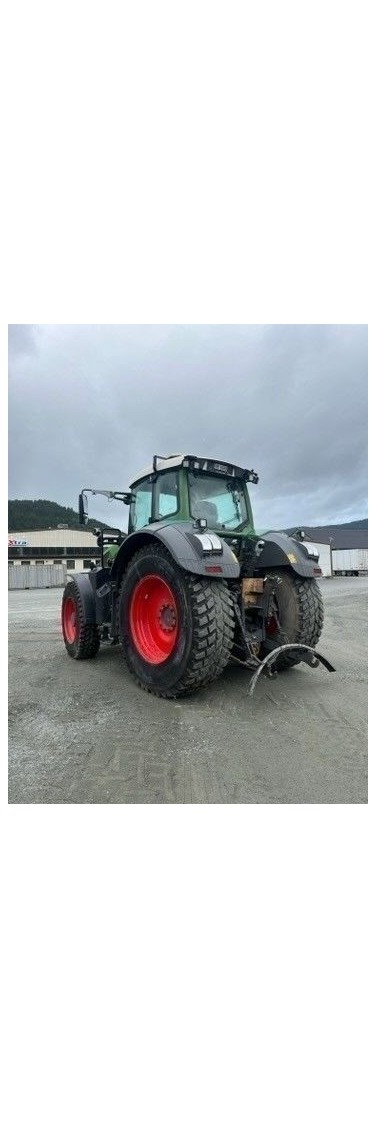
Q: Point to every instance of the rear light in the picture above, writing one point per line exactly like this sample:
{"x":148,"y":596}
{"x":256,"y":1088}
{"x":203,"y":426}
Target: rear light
{"x":213,"y":568}
{"x":317,"y":571}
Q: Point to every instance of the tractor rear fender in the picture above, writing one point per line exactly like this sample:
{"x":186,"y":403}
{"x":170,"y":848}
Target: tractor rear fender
{"x":188,"y":548}
{"x":277,"y":550}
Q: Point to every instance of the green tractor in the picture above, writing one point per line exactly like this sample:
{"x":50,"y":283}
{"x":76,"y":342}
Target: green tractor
{"x":192,"y":586}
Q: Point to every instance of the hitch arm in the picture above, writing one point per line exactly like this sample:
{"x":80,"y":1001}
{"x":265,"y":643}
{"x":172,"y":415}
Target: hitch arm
{"x":308,"y":655}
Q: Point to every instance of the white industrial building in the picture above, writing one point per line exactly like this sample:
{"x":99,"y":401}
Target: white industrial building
{"x":324,"y":557}
{"x":76,"y":548}
{"x":342,"y":551}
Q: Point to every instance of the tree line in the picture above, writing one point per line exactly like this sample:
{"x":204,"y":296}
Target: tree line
{"x":25,"y":515}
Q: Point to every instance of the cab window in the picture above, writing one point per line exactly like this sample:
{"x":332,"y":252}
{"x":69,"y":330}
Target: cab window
{"x":166,"y":495}
{"x":220,"y":500}
{"x":140,"y":512}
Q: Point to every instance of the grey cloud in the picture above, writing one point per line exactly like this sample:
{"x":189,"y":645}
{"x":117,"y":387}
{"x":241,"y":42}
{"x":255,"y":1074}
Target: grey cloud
{"x":21,"y":340}
{"x":89,"y":405}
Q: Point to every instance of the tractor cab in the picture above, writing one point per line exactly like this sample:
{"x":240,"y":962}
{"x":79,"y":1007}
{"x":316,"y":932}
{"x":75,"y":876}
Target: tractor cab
{"x":187,"y":488}
{"x":183,"y":487}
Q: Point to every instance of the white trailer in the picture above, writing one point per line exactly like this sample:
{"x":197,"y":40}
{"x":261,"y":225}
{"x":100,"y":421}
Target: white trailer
{"x":350,"y":561}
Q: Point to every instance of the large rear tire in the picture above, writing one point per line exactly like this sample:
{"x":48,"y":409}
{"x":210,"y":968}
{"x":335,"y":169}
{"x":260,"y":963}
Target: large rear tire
{"x":176,"y":630}
{"x":81,"y":638}
{"x":296,"y":615}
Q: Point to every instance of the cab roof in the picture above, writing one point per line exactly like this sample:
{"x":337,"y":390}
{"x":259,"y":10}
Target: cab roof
{"x":194,"y":462}
{"x":170,"y":462}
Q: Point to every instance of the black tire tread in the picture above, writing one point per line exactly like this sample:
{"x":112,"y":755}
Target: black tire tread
{"x":213,"y":632}
{"x":225,"y":619}
{"x":88,"y":635}
{"x":311,"y":617}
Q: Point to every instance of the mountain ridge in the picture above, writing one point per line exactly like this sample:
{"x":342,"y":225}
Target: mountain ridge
{"x":27,"y":514}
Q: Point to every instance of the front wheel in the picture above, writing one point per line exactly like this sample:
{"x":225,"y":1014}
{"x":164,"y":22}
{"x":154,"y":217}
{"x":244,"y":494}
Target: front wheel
{"x":81,"y":637}
{"x":295,"y":614}
{"x":176,"y":630}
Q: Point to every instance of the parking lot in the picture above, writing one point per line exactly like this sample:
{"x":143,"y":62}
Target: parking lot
{"x":83,"y":732}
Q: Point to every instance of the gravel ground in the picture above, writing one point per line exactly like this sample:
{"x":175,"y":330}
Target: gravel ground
{"x":83,"y":732}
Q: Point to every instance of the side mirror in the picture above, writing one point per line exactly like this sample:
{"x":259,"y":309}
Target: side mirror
{"x":83,"y":509}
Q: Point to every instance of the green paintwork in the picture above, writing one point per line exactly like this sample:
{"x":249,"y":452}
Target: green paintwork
{"x":183,"y":512}
{"x":111,"y":550}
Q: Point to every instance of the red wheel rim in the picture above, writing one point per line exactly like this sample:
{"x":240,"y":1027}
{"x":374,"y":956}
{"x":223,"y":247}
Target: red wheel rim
{"x":272,"y":627}
{"x":272,"y":622}
{"x":153,"y":619}
{"x":69,"y":617}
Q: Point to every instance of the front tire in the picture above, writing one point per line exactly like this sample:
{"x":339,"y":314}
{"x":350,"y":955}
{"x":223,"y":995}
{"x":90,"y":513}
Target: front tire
{"x":81,"y":638}
{"x":176,"y":629}
{"x":296,"y":614}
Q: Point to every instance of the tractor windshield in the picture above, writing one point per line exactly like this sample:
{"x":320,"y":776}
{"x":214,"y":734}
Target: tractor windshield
{"x":220,"y":500}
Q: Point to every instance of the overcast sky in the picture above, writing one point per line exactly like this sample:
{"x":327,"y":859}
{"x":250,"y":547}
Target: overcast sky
{"x":90,"y":404}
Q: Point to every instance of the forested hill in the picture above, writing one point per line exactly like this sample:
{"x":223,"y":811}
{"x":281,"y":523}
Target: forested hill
{"x":362,"y":523}
{"x":41,"y":514}
{"x":332,"y":530}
